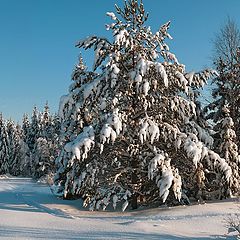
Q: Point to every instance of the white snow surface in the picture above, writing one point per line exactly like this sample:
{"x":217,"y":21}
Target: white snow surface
{"x":28,"y":210}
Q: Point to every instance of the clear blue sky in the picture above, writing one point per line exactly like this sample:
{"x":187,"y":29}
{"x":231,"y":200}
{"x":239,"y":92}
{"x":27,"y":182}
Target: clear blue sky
{"x":37,"y":38}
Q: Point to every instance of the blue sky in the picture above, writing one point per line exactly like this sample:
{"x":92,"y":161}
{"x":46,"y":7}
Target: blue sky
{"x":37,"y":38}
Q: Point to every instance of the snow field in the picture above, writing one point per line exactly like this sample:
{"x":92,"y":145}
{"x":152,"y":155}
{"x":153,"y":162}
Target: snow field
{"x":28,"y":210}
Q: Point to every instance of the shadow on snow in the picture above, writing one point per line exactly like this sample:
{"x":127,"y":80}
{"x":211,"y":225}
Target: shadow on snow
{"x":38,"y":233}
{"x":24,"y":194}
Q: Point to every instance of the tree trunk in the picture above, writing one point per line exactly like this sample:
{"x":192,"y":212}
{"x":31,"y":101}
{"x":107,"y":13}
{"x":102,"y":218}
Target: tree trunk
{"x":134,"y":204}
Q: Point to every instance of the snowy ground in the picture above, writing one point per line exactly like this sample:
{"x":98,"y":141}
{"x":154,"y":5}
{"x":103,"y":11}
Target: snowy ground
{"x":28,"y":210}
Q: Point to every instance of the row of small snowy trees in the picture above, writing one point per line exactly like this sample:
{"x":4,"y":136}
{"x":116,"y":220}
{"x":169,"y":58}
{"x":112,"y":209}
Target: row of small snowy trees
{"x":133,"y":130}
{"x":31,"y":148}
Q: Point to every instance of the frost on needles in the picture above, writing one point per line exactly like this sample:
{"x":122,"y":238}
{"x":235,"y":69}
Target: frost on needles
{"x":130,"y":130}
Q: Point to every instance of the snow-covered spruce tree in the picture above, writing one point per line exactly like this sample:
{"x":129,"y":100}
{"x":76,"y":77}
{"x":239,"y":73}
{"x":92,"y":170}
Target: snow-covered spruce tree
{"x":42,"y":161}
{"x":54,"y":140}
{"x":31,"y":132}
{"x":226,"y":86}
{"x":50,"y":128}
{"x":4,"y":147}
{"x":34,"y":129}
{"x":19,"y":152}
{"x":225,"y":92}
{"x":25,"y":141}
{"x":23,"y":157}
{"x":45,"y":123}
{"x":130,"y":132}
{"x":228,"y":149}
{"x":224,"y":112}
{"x":25,"y":127}
{"x":11,"y":133}
{"x":46,"y":145}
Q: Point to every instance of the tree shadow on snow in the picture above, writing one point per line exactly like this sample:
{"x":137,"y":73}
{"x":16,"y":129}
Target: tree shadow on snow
{"x":24,"y":194}
{"x":45,"y":233}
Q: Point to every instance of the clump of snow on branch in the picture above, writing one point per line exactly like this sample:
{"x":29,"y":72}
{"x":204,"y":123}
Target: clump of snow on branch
{"x":149,"y":130}
{"x":111,"y":129}
{"x":82,"y":144}
{"x":112,"y":15}
{"x":165,"y":176}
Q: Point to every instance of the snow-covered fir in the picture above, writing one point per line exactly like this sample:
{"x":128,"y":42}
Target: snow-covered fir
{"x":43,"y":140}
{"x":130,"y":131}
{"x":4,"y":147}
{"x":225,"y":92}
{"x":17,"y":154}
{"x":227,"y":84}
{"x":227,"y":147}
{"x":223,"y":111}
